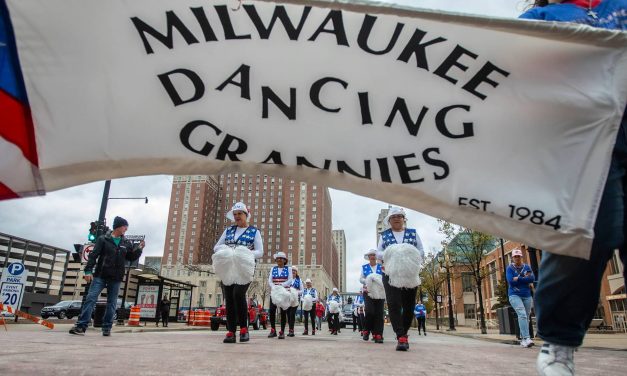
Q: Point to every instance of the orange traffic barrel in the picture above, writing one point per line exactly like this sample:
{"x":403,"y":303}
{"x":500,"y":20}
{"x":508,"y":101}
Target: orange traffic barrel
{"x":133,"y":318}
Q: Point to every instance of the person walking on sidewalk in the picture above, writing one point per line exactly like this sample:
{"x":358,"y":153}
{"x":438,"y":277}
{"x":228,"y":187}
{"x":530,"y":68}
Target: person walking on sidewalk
{"x":568,"y":288}
{"x":105,"y":269}
{"x":291,"y":312}
{"x":400,"y":300}
{"x":421,"y":317}
{"x":374,"y":298}
{"x":239,"y":234}
{"x":519,"y":277}
{"x":358,"y":306}
{"x":334,"y":307}
{"x":311,"y":313}
{"x":281,"y":274}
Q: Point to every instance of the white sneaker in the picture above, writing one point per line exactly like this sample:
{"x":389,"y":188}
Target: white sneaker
{"x":555,"y":360}
{"x":527,"y":342}
{"x":530,"y":343}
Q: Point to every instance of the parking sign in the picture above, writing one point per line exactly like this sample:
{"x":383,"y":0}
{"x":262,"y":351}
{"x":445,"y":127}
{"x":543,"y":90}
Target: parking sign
{"x":12,"y":285}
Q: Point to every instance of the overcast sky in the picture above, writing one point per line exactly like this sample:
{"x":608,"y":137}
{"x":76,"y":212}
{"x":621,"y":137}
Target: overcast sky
{"x":62,"y":218}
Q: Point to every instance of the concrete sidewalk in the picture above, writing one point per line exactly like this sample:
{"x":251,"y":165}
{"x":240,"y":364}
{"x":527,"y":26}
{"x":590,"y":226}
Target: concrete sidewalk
{"x":604,"y":341}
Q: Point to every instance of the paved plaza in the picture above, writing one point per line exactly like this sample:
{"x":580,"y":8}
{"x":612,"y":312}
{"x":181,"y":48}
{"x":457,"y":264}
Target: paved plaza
{"x":180,"y":350}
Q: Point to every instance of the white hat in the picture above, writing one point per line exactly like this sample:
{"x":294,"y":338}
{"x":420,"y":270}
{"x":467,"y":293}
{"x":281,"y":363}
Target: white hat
{"x":394,"y":210}
{"x":239,"y":206}
{"x":280,"y":255}
{"x":370,"y":252}
{"x":308,"y":280}
{"x":517,"y":252}
{"x":335,"y":289}
{"x":294,"y":268}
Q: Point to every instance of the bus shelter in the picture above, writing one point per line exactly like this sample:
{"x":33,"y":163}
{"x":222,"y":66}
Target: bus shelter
{"x":150,"y":290}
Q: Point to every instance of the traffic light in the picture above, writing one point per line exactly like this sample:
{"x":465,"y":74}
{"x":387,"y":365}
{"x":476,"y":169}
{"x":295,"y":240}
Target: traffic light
{"x":93,"y":230}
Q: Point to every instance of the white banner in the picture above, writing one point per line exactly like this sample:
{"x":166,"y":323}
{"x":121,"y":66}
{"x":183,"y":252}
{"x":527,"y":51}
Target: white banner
{"x":505,"y":126}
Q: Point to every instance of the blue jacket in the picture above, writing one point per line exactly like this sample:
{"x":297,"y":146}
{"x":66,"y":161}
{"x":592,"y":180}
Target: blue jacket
{"x":519,"y":287}
{"x":610,"y":14}
{"x":420,"y":310}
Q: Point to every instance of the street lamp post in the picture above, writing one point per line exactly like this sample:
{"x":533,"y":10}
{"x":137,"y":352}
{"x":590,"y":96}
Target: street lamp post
{"x":445,"y":262}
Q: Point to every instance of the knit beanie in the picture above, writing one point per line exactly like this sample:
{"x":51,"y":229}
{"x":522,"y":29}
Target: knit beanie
{"x":119,"y":222}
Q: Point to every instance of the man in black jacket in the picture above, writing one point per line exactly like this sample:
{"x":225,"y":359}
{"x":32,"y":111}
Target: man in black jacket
{"x":109,"y":257}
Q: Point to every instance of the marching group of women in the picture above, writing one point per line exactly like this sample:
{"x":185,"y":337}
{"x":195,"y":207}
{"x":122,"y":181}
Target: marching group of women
{"x":399,"y":249}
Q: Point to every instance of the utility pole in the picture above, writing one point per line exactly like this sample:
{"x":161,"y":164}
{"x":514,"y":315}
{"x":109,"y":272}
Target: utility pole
{"x":100,"y":227}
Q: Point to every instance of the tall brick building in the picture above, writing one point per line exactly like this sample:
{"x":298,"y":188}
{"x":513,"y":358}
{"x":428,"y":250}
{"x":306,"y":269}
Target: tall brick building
{"x":293,"y":217}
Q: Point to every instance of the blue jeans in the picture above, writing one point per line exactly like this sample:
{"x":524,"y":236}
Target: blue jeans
{"x":568,"y":288}
{"x":97,"y":285}
{"x":522,"y":306}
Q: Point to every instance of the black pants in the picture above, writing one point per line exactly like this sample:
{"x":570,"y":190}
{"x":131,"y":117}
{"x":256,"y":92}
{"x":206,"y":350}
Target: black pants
{"x":311,"y":313}
{"x":291,"y":317}
{"x":421,"y":324}
{"x":273,"y":309}
{"x":374,"y":315}
{"x":356,"y":322}
{"x":401,"y":303}
{"x":165,"y":317}
{"x":334,"y":321}
{"x":236,"y":307}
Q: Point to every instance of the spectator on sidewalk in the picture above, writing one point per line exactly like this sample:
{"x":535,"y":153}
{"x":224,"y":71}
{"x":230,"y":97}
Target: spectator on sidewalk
{"x":519,"y":277}
{"x":105,"y":269}
{"x":421,"y":317}
{"x":164,"y":311}
{"x":319,"y":315}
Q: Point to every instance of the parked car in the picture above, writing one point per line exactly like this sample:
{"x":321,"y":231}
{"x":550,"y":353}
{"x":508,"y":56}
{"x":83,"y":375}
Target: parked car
{"x":65,"y":309}
{"x":257,"y":317}
{"x":347,"y":316}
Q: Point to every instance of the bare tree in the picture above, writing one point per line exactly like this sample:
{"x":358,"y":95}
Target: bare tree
{"x":431,"y":282}
{"x":468,"y":249}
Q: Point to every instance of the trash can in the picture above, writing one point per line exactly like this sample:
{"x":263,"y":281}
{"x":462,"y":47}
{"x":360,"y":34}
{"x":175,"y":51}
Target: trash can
{"x":508,"y":321}
{"x":99,"y":312}
{"x":517,"y":328}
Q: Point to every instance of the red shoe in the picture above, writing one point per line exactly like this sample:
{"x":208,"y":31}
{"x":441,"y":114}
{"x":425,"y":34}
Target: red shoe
{"x":272,"y":333}
{"x":403,"y":344}
{"x":243,"y":335}
{"x":306,"y":332}
{"x":281,"y":335}
{"x":378,"y":338}
{"x":230,"y":338}
{"x":366,"y":335}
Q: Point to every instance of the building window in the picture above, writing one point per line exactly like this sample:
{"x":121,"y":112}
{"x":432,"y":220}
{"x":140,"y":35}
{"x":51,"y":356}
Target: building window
{"x":467,"y":282}
{"x":469,"y":311}
{"x":493,"y":278}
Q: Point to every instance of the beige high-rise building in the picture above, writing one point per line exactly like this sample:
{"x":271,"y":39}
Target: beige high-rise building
{"x":293,"y":217}
{"x":339,"y":239}
{"x":381,"y":226}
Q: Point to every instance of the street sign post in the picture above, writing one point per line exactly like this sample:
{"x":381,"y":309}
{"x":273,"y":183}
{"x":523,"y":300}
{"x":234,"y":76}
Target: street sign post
{"x":12,"y":285}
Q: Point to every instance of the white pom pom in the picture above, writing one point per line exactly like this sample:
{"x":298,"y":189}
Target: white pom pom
{"x":402,"y":265}
{"x":294,"y":301}
{"x":281,"y":297}
{"x":307,"y":303}
{"x":374,"y":284}
{"x":234,"y":266}
{"x":334,"y":307}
